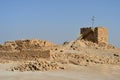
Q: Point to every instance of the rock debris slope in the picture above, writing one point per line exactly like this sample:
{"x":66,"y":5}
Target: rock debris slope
{"x":41,"y":55}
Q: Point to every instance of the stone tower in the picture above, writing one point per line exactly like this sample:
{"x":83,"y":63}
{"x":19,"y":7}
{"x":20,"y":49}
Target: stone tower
{"x":97,"y":35}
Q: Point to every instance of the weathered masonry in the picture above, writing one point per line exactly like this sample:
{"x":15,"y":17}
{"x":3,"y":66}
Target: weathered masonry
{"x":97,"y":35}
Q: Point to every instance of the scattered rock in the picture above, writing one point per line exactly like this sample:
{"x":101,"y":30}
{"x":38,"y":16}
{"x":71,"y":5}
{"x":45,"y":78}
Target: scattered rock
{"x":77,"y":52}
{"x":37,"y":66}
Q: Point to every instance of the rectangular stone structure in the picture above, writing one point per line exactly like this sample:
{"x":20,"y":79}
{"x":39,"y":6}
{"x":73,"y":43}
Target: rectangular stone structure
{"x":97,"y":35}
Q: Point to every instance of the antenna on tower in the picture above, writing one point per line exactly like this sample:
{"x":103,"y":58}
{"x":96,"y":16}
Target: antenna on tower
{"x":93,"y":19}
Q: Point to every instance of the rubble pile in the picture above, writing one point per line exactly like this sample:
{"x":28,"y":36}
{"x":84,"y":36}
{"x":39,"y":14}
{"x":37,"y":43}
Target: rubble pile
{"x":85,"y":59}
{"x":76,"y":52}
{"x":25,"y":44}
{"x":77,"y":44}
{"x":41,"y":65}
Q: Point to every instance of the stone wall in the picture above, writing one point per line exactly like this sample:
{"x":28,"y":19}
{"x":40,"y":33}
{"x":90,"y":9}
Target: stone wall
{"x":88,"y":34}
{"x":97,"y":35}
{"x":102,"y":35}
{"x":25,"y":55}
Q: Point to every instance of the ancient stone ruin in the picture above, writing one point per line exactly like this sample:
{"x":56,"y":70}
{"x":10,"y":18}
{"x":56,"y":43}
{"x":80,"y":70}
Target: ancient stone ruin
{"x":42,"y":55}
{"x":97,"y":35}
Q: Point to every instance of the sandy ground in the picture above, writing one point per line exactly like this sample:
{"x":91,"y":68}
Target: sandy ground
{"x":96,"y":72}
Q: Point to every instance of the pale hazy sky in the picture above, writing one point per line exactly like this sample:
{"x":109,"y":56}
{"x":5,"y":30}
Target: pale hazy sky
{"x":57,"y":20}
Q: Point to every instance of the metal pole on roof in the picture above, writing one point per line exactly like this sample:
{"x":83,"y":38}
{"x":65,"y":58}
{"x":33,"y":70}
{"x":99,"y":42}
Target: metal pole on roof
{"x":93,"y":19}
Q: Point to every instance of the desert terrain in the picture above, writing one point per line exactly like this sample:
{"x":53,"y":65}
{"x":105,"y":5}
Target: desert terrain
{"x":43,"y":60}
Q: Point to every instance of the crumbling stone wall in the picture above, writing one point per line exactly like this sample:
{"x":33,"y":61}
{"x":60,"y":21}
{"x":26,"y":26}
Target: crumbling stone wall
{"x":88,"y":34}
{"x":25,"y":55}
{"x":97,"y":35}
{"x":102,"y":35}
